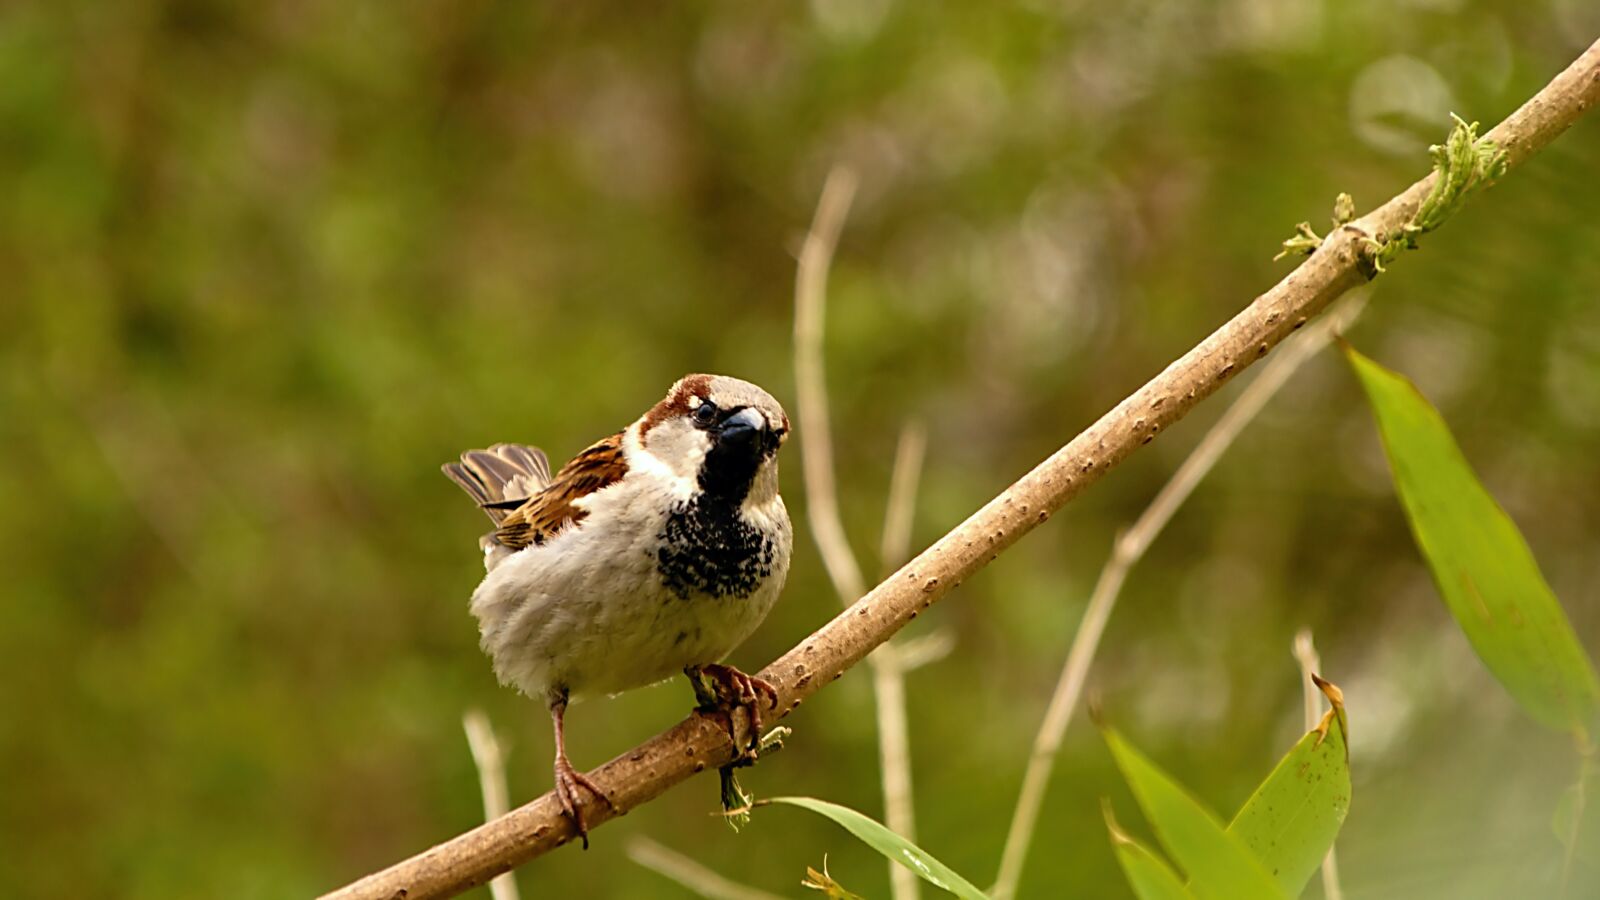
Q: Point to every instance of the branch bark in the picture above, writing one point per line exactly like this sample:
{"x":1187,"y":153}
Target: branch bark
{"x":695,"y":744}
{"x":1126,"y":551}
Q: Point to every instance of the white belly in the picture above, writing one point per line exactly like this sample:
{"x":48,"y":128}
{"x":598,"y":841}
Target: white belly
{"x":588,"y":611}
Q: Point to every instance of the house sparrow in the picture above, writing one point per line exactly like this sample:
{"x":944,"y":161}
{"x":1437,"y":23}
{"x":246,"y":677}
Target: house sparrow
{"x":657,"y":550}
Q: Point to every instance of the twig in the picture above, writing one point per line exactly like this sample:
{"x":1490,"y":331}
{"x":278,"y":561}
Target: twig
{"x":690,"y":874}
{"x":695,"y":744}
{"x":1128,"y":549}
{"x":811,"y":390}
{"x":888,"y":669}
{"x":822,"y":504}
{"x":1306,"y":653}
{"x":903,"y":480}
{"x":914,"y":653}
{"x":1570,"y":830}
{"x":490,"y":762}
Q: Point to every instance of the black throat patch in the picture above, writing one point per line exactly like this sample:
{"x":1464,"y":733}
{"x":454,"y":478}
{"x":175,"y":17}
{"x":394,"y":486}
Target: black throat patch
{"x":707,"y":548}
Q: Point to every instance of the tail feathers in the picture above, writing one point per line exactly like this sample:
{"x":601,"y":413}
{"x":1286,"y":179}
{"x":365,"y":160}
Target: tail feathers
{"x":500,"y":477}
{"x":531,"y":460}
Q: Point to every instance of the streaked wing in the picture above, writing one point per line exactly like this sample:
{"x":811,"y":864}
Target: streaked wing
{"x":552,"y":509}
{"x":502,"y":477}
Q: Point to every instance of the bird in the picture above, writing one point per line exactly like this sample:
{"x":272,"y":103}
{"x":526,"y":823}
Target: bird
{"x":656,"y":550}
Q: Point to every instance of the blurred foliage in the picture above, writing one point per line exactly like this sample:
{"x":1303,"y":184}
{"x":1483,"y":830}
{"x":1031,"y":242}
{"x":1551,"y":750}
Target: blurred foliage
{"x":266,"y":265}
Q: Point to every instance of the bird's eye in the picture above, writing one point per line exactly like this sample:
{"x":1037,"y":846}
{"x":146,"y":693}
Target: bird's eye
{"x":705,"y":413}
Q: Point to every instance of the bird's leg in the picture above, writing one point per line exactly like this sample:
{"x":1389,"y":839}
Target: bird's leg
{"x":568,"y":779}
{"x":732,"y":689}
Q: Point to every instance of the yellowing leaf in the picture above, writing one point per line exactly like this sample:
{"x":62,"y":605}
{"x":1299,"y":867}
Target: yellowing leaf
{"x":1289,"y":823}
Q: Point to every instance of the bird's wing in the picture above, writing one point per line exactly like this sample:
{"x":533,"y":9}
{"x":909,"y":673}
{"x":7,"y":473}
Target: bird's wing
{"x":552,"y":509}
{"x":502,"y":477}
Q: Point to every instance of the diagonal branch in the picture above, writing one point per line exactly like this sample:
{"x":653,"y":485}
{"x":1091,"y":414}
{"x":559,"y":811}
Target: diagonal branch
{"x":695,"y":744}
{"x":1126,"y":552}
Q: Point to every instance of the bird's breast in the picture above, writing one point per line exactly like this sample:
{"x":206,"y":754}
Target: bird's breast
{"x":710,"y":548}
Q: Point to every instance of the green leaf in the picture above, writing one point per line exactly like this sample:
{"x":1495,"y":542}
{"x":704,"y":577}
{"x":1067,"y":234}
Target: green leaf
{"x":1291,"y":820}
{"x":1148,"y":874}
{"x":1480,"y":562}
{"x":877,"y":836}
{"x":1219,"y":864}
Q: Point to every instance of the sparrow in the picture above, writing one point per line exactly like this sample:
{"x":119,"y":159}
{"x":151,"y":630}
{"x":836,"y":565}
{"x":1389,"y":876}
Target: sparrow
{"x":657,"y":550}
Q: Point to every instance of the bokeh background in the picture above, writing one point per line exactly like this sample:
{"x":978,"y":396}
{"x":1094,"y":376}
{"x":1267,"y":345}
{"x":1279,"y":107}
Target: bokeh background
{"x":266,"y":265}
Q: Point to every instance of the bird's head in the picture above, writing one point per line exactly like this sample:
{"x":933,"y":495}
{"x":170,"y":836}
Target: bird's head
{"x":721,"y":432}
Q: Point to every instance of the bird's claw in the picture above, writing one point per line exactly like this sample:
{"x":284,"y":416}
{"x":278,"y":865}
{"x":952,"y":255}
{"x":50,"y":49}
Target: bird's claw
{"x":568,"y":780}
{"x":731,"y":690}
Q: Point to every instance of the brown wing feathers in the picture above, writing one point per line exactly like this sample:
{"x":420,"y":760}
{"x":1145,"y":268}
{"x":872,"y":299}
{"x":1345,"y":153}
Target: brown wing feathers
{"x":500,"y":477}
{"x":553,"y":509}
{"x":491,"y":476}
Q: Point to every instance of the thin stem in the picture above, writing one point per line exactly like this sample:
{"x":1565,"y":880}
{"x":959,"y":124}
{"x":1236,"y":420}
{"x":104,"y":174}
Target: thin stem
{"x":811,"y":389}
{"x":1305,"y":652}
{"x":1588,"y":768}
{"x":888,"y":669}
{"x":903,"y":481}
{"x":690,"y":874}
{"x":822,"y":504}
{"x":490,"y":762}
{"x":1127,"y":550}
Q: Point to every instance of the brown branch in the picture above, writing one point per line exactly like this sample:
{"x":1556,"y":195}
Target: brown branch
{"x":1126,"y":552}
{"x":696,"y":744}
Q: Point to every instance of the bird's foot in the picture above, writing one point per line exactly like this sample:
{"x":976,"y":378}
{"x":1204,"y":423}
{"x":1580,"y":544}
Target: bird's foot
{"x":733,"y":690}
{"x":568,"y":780}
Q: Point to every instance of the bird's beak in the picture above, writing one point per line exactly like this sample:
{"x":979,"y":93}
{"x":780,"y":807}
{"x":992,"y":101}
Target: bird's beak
{"x":743,"y":426}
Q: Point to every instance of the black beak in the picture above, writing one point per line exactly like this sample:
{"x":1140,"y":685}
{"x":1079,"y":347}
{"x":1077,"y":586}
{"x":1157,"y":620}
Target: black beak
{"x":743,"y":427}
{"x":741,"y":442}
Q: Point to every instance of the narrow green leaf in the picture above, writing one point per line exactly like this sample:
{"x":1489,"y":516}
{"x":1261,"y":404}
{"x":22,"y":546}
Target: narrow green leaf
{"x":1481,"y":564}
{"x":877,"y":836}
{"x":1219,"y":864}
{"x":1291,"y":820}
{"x":1148,"y":874}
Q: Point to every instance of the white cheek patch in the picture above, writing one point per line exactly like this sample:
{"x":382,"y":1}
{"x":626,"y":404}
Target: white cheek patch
{"x":672,"y":441}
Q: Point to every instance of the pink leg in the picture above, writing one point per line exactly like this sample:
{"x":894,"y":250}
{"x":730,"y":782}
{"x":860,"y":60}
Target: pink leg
{"x":568,"y":779}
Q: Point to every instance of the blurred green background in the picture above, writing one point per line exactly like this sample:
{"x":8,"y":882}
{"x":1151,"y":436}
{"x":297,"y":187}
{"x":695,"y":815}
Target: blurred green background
{"x":267,"y":265}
